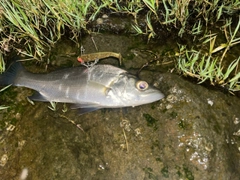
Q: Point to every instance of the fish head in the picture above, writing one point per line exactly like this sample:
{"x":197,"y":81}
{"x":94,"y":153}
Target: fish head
{"x":128,"y":90}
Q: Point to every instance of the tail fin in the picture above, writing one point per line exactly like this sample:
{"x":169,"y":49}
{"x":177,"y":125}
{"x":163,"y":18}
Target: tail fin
{"x":11,"y":74}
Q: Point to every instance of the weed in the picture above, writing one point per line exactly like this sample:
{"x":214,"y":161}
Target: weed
{"x":208,"y":66}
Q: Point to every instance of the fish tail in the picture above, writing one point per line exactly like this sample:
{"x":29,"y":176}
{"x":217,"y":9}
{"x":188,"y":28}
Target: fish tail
{"x":10,"y":76}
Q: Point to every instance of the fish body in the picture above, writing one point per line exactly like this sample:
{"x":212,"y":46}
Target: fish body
{"x":90,"y":88}
{"x":99,"y":55}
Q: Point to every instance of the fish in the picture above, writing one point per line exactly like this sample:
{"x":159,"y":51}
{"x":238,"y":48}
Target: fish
{"x":99,"y":55}
{"x":86,"y":88}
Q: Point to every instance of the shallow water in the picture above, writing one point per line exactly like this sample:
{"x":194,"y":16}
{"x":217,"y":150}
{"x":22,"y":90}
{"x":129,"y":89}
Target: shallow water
{"x":191,"y":134}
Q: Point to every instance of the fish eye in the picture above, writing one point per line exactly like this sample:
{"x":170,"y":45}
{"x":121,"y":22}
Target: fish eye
{"x":142,"y":85}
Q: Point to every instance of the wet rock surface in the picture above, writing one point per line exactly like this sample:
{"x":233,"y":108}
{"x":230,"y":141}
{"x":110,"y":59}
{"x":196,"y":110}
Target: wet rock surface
{"x":193,"y":133}
{"x":182,"y":136}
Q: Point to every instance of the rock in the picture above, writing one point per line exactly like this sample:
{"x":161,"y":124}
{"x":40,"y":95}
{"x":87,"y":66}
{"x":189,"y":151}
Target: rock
{"x":193,"y":133}
{"x":190,"y":140}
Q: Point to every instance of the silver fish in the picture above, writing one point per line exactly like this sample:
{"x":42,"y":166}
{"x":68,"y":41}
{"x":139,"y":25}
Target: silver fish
{"x":88,"y":88}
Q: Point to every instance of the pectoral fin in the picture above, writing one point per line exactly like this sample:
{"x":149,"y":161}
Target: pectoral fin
{"x":85,"y":108}
{"x":38,"y":97}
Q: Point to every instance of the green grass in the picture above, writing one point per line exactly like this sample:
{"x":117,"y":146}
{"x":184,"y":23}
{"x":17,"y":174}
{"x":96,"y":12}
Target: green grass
{"x":2,"y":69}
{"x":208,"y":66}
{"x":40,"y":24}
{"x":2,"y":106}
{"x":2,"y":63}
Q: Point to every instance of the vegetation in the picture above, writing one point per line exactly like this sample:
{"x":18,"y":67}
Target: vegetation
{"x":205,"y":65}
{"x":39,"y":24}
{"x":4,"y":107}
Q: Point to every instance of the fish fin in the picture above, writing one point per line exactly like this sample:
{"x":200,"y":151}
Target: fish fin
{"x":37,"y":97}
{"x":9,"y":76}
{"x":86,"y":105}
{"x":86,"y":110}
{"x":75,"y":106}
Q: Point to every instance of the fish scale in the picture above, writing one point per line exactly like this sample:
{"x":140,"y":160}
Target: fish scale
{"x":88,"y":88}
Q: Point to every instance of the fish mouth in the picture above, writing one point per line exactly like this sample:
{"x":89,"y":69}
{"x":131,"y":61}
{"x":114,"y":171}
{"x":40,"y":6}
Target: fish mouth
{"x":152,"y":96}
